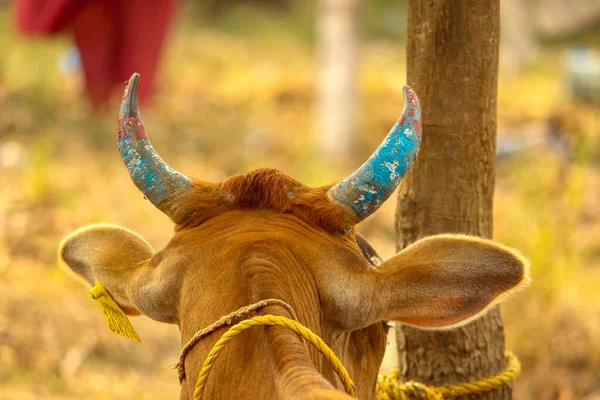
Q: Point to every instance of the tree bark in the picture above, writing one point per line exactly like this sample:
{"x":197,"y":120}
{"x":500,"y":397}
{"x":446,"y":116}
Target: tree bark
{"x":337,"y":88}
{"x":453,"y":66}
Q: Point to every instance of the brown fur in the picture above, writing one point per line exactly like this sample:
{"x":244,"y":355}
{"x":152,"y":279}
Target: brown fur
{"x":265,"y":235}
{"x":264,"y":188}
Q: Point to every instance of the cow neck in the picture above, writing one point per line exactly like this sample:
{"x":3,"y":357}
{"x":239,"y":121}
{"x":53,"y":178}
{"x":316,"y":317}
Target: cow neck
{"x":296,"y":370}
{"x":227,"y":320}
{"x":273,"y":270}
{"x":274,"y":361}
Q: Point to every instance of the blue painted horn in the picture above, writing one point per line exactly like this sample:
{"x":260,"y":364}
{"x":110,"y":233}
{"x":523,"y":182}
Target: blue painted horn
{"x":368,"y":187}
{"x":152,"y":176}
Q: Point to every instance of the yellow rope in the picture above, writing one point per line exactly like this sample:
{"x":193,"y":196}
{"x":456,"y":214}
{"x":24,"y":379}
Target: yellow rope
{"x":388,"y":386}
{"x":271,"y":320}
{"x":224,"y":321}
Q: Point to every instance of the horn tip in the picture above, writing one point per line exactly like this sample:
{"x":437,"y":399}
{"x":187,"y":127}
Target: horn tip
{"x":134,"y":80}
{"x":129,"y":104}
{"x":410,"y":96}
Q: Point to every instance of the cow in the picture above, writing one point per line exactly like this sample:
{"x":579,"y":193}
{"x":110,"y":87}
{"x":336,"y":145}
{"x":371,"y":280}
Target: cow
{"x":264,"y":235}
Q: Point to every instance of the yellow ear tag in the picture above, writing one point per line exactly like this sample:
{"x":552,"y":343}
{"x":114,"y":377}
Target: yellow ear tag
{"x":115,"y":317}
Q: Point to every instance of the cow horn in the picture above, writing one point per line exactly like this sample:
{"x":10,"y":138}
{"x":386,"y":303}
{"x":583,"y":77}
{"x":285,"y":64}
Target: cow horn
{"x":368,"y":187}
{"x":152,"y":176}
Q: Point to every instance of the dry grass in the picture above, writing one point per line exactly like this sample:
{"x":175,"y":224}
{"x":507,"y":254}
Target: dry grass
{"x":230,"y":102}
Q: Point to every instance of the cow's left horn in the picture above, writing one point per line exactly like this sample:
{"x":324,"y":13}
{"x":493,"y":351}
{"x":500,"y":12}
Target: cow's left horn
{"x":154,"y":178}
{"x":368,"y":187}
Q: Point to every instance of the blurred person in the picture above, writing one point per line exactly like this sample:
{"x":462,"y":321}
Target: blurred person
{"x":113,"y":38}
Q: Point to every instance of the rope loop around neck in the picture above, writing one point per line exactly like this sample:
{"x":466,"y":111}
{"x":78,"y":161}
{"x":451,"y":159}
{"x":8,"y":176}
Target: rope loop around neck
{"x":272,"y":320}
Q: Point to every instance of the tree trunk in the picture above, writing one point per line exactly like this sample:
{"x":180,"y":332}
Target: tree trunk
{"x":453,"y":66}
{"x":337,"y":91}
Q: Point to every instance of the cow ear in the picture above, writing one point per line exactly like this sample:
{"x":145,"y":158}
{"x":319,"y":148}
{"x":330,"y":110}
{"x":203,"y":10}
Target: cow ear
{"x":109,"y":254}
{"x":448,"y":280}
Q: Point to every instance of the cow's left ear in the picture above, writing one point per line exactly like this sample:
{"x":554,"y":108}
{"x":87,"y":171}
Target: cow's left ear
{"x":110,"y":254}
{"x":445,"y":281}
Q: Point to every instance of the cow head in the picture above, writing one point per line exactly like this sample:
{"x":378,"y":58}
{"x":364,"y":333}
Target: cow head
{"x":265,"y":235}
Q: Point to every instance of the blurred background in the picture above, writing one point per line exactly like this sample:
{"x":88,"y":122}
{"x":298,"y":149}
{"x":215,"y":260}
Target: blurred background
{"x":309,"y":87}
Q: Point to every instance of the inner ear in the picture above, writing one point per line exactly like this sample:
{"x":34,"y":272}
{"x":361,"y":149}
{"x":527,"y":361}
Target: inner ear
{"x":367,"y":250}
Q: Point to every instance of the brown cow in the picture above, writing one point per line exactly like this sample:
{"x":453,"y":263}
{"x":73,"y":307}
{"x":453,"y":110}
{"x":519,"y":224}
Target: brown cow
{"x":265,"y":235}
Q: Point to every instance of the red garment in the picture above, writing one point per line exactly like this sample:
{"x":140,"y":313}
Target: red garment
{"x":115,"y":37}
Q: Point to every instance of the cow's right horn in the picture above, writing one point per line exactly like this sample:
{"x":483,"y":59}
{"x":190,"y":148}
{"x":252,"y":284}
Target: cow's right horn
{"x":154,"y":178}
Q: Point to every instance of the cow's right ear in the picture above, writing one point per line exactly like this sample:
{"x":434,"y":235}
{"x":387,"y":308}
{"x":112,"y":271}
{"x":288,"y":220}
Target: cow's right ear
{"x":109,"y":254}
